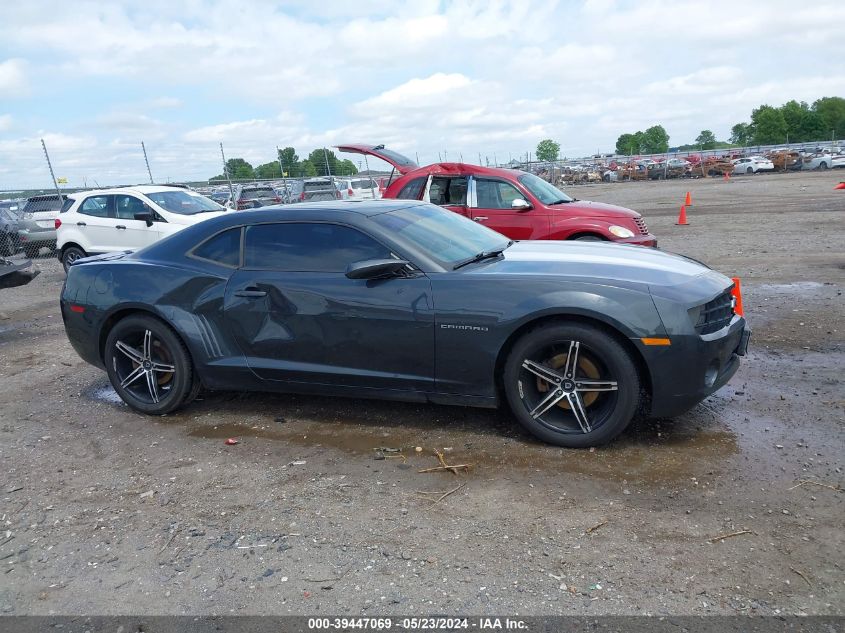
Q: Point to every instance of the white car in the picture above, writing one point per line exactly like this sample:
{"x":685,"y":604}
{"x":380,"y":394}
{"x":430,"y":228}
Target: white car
{"x":126,"y":219}
{"x":358,"y":188}
{"x":752,"y":165}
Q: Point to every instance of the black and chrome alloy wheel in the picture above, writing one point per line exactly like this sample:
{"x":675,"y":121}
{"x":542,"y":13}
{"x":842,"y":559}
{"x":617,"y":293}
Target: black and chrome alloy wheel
{"x":148,"y":365}
{"x":571,"y":384}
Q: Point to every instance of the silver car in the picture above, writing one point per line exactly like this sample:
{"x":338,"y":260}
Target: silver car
{"x":37,"y":228}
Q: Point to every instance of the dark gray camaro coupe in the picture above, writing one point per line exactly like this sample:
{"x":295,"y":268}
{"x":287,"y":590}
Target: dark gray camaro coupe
{"x":391,"y":299}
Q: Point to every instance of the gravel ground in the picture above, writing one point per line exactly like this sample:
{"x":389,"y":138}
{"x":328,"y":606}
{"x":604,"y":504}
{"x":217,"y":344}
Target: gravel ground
{"x":105,"y":511}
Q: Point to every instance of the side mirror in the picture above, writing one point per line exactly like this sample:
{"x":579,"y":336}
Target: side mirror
{"x":146,"y":216}
{"x":375,"y":268}
{"x":519,"y":204}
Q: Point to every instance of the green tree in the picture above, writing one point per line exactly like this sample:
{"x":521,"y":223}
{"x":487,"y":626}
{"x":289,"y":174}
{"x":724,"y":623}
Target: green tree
{"x":307,"y":169}
{"x":741,"y":134}
{"x":319,"y":157}
{"x":239,"y":169}
{"x":769,"y":125}
{"x":655,"y":140}
{"x":794,"y":115}
{"x":268,"y":170}
{"x":832,"y":113}
{"x":290,"y":160}
{"x":627,"y":144}
{"x":706,"y":139}
{"x":346,"y":167}
{"x":547,"y":150}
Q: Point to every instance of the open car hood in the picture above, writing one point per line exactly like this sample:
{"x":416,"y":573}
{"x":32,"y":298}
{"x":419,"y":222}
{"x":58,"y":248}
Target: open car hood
{"x":401,"y":163}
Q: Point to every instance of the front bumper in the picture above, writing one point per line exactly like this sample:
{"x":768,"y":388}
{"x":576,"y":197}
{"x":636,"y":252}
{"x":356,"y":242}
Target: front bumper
{"x":693,"y":367}
{"x":639,"y":240}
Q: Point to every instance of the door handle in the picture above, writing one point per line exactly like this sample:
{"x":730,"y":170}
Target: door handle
{"x":480,"y":218}
{"x":251,"y":293}
{"x":81,"y":224}
{"x":120,"y":226}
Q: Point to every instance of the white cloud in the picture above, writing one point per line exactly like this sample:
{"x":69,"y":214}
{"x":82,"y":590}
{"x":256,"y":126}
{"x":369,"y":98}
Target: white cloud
{"x":13,"y":81}
{"x":463,"y":77}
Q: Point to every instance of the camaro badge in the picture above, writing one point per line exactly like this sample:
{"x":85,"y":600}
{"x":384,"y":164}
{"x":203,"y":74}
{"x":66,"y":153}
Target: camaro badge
{"x":472,"y":328}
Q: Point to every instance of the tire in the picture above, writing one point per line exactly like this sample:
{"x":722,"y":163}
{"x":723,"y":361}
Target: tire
{"x":750,"y":170}
{"x":823,"y":166}
{"x":32,"y":251}
{"x":589,"y":238}
{"x":70,"y":255}
{"x":149,"y":366}
{"x":548,"y":414}
{"x":7,"y":245}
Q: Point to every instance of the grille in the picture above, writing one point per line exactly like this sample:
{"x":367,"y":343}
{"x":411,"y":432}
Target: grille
{"x":715,"y":314}
{"x":641,"y":225}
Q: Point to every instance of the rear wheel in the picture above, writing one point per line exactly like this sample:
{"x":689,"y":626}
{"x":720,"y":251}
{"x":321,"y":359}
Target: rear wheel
{"x":70,"y":255}
{"x":32,"y":251}
{"x":148,"y":366}
{"x":571,"y":385}
{"x":822,"y":166}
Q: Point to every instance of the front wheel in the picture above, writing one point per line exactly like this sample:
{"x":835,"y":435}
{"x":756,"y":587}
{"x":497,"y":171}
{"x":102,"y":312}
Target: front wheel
{"x":571,"y":385}
{"x":148,"y":366}
{"x":750,"y":170}
{"x":70,"y":255}
{"x":589,"y":238}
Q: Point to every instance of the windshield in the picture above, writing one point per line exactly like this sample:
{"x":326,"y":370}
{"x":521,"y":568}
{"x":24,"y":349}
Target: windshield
{"x":544,"y":191}
{"x":183,"y":202}
{"x":445,"y":236}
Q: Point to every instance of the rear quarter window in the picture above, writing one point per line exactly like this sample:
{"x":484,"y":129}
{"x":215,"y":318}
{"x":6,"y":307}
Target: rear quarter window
{"x":413,"y":190}
{"x":224,"y":248}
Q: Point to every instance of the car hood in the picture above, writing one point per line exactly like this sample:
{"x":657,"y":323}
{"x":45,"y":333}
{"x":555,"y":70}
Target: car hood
{"x":595,"y":262}
{"x":587,"y":209}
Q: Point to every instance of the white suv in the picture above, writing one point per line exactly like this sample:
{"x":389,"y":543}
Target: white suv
{"x":126,"y":219}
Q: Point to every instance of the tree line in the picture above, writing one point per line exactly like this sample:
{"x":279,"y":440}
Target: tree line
{"x":320,"y":162}
{"x":793,"y":122}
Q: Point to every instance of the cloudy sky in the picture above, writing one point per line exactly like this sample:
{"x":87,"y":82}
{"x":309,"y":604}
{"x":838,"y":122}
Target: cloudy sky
{"x":94,"y":79}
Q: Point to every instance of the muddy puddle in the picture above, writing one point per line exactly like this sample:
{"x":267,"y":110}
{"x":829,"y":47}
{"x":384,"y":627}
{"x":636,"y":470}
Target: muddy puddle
{"x":641,"y":455}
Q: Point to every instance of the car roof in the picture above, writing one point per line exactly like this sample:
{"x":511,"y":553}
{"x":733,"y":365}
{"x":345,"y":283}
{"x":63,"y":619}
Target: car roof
{"x":464,"y":168}
{"x":142,"y":189}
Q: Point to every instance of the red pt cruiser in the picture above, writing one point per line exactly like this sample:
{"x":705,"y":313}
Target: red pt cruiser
{"x":515,"y":203}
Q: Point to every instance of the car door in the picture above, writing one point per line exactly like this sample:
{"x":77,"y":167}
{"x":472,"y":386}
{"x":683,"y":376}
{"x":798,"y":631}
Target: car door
{"x":95,"y":225}
{"x":134,"y":234}
{"x":298,"y":318}
{"x":449,"y":192}
{"x":491,"y":202}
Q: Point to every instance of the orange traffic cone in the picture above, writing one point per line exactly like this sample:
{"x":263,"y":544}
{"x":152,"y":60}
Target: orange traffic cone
{"x":682,"y":217}
{"x":737,"y":294}
{"x":688,"y":202}
{"x":726,"y":175}
{"x":841,"y":185}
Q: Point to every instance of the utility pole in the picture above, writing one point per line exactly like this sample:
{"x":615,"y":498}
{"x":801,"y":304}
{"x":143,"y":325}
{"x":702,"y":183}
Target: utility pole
{"x":52,"y":175}
{"x":229,"y":180}
{"x":326,"y":156}
{"x":282,"y":171}
{"x":147,"y":162}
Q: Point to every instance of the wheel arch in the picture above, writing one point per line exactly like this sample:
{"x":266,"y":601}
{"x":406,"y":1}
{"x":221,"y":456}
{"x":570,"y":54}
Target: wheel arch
{"x":67,"y":245}
{"x":581,"y":234}
{"x":608,"y":327}
{"x":121,"y":313}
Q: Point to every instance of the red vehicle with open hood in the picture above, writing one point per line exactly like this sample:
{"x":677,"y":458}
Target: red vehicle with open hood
{"x":517,"y":204}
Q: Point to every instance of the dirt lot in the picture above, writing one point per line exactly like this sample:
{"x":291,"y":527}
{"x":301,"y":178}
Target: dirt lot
{"x":105,"y":511}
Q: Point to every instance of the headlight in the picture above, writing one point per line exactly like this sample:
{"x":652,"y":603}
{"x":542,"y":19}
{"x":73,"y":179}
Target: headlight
{"x":621,"y":231}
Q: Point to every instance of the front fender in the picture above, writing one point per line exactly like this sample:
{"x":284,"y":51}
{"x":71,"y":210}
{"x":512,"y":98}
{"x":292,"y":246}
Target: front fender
{"x":565,"y":228}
